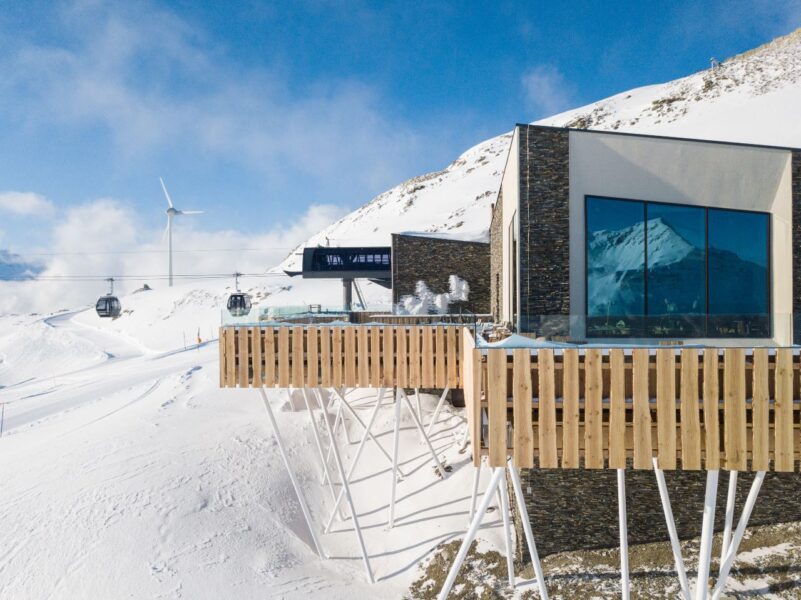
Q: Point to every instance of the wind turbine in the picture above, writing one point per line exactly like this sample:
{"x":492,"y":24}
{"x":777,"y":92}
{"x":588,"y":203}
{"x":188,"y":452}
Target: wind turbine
{"x":173,"y":212}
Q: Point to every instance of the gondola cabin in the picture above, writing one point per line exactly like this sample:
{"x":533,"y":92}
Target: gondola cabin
{"x":108,"y":307}
{"x":239,"y":304}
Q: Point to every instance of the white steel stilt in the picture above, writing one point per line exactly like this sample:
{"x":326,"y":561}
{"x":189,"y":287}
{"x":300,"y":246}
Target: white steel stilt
{"x":624,"y":533}
{"x":724,"y":546}
{"x":437,"y":464}
{"x":707,"y":530}
{"x":507,"y":532}
{"x":437,"y":410}
{"x":476,"y":478}
{"x":346,"y":487}
{"x":532,"y":547}
{"x":341,"y":395}
{"x":391,"y":522}
{"x":731,"y":553}
{"x":358,"y":419}
{"x":337,"y":421}
{"x":319,"y":443}
{"x":497,"y":476}
{"x":355,"y":463}
{"x":671,"y":525}
{"x":304,"y":507}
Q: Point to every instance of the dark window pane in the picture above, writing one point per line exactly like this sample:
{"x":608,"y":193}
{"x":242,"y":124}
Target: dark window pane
{"x":615,"y":267}
{"x":738,"y":274}
{"x":676,"y":270}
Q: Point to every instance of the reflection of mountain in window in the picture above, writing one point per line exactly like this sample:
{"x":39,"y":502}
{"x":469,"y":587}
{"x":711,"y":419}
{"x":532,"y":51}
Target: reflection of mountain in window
{"x":665,"y":270}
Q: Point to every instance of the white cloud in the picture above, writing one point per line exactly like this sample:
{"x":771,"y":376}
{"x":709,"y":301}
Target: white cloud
{"x":546,"y":90}
{"x":90,"y":236}
{"x":25,"y":204}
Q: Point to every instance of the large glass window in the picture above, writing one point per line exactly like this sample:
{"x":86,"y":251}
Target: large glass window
{"x":668,"y":270}
{"x":615,"y":267}
{"x":738,"y":274}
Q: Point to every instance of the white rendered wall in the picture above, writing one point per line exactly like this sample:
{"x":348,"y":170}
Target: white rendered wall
{"x":682,"y":172}
{"x":510,"y":190}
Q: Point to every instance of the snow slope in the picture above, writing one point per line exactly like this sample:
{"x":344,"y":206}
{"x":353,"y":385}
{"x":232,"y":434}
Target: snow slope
{"x":752,"y":97}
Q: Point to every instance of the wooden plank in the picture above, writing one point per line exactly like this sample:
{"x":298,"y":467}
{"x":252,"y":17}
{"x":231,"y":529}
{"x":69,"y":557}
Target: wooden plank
{"x":427,"y":379}
{"x":325,"y":357}
{"x":783,"y":412}
{"x":256,"y":356}
{"x":414,"y":356}
{"x":283,"y":357}
{"x":312,"y":357}
{"x":643,"y":443}
{"x":270,"y":374}
{"x":523,"y":437}
{"x":570,"y":409}
{"x":350,"y":380}
{"x":496,"y":398}
{"x":593,"y":419}
{"x":221,"y":338}
{"x":388,"y":355}
{"x":440,"y":357}
{"x":760,"y":412}
{"x":666,"y":408}
{"x":734,"y":432}
{"x":546,"y":422}
{"x":297,"y":357}
{"x":453,"y":347}
{"x":375,"y":356}
{"x":336,"y":357}
{"x":243,"y":347}
{"x":617,"y":409}
{"x":362,"y":356}
{"x":471,"y":378}
{"x":711,"y":410}
{"x":690,"y":415}
{"x":402,"y":357}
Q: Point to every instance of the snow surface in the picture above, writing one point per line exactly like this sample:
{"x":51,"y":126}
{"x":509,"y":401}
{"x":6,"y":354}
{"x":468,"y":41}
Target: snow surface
{"x":127,"y":472}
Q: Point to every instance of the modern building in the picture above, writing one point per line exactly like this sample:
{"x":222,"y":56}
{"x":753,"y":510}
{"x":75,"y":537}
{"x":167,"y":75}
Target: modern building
{"x":604,"y":236}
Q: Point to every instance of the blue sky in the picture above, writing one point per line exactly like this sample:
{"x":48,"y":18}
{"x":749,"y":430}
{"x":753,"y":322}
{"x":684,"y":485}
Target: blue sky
{"x":256,"y":111}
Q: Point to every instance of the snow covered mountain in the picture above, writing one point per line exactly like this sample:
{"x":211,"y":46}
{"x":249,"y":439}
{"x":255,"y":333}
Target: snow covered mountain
{"x":752,"y":97}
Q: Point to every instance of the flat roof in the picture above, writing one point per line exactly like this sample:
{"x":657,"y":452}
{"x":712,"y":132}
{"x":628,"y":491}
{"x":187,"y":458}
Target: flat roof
{"x":661,"y":137}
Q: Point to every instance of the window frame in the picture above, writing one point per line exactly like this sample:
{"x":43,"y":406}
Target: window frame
{"x":706,"y":209}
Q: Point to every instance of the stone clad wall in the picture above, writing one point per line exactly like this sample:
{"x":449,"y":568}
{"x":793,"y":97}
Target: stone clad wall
{"x":796,"y":191}
{"x":544,"y":229}
{"x":433,"y":260}
{"x":577,"y":509}
{"x":496,"y":259}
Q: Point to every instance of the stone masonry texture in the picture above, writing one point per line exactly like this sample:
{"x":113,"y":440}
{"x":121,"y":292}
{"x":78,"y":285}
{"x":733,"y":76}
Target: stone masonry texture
{"x":796,"y":199}
{"x":577,"y":509}
{"x":433,"y":260}
{"x":544,"y":230}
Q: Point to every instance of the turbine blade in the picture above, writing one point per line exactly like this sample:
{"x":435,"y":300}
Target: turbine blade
{"x":166,"y":193}
{"x":191,"y":212}
{"x":166,"y":231}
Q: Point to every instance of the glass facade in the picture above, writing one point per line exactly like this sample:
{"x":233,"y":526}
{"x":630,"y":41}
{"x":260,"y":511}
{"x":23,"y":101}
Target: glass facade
{"x":668,"y":270}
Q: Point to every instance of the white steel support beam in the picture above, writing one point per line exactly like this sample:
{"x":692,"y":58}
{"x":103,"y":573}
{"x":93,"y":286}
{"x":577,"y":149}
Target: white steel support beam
{"x":624,"y":534}
{"x":476,"y":478}
{"x":532,"y":547}
{"x":707,"y":530}
{"x":355,"y":462}
{"x":437,"y":410}
{"x":731,"y":553}
{"x":346,"y":487}
{"x":327,"y":475}
{"x":304,"y":507}
{"x":437,"y":463}
{"x":395,"y":470}
{"x":730,"y":497}
{"x":497,"y":476}
{"x":671,"y":525}
{"x":503,"y":494}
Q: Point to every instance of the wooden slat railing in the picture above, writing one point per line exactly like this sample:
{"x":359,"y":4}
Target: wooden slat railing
{"x":417,"y":356}
{"x":736,"y":408}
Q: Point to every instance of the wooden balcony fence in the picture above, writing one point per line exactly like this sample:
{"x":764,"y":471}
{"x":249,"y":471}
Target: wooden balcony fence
{"x":735,"y":409}
{"x":425,"y":356}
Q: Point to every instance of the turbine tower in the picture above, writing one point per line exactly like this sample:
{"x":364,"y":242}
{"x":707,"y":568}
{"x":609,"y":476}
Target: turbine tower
{"x":173,"y":212}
